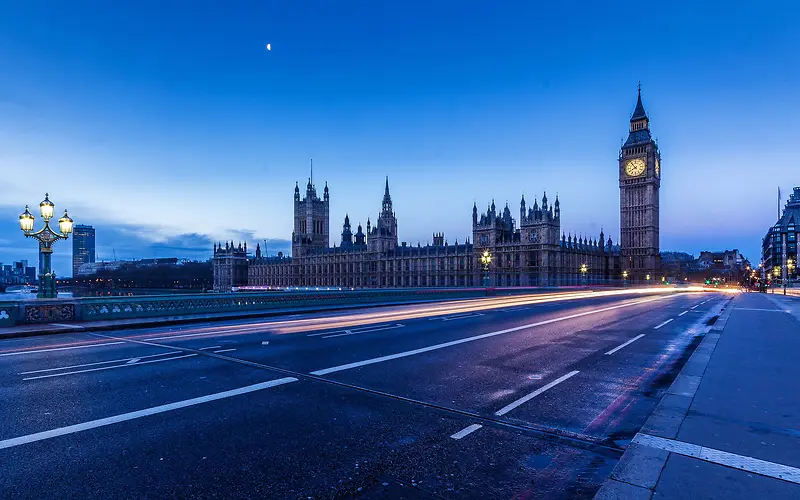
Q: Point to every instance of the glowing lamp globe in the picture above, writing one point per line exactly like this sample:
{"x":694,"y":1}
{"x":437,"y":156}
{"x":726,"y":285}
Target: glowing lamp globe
{"x":65,"y":224}
{"x":26,"y":221}
{"x":46,"y":207}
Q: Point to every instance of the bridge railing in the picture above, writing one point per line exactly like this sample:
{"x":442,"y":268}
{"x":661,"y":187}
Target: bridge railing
{"x":147,"y":306}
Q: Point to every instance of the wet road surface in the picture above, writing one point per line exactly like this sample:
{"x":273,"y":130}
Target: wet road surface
{"x":507,"y":397}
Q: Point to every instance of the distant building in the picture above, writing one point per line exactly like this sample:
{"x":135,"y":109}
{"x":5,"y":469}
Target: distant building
{"x":18,"y":273}
{"x":720,"y":260}
{"x":779,"y":245}
{"x":166,"y":273}
{"x":83,"y":248}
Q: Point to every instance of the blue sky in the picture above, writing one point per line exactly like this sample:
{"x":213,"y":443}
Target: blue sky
{"x":167,"y":125}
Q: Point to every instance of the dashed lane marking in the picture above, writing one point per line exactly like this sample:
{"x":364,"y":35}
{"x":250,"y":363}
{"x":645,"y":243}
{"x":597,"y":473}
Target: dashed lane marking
{"x":356,"y":332}
{"x":36,"y":351}
{"x":466,"y":431}
{"x":664,"y":323}
{"x":631,"y":341}
{"x":93,"y":424}
{"x":414,"y":352}
{"x":127,"y":365}
{"x":535,"y":393}
{"x":684,"y":312}
{"x":84,"y":365}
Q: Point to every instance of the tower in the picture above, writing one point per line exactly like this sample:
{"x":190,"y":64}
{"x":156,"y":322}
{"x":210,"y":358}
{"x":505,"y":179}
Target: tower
{"x":347,"y":233}
{"x":311,"y":220}
{"x":639,"y":182}
{"x":383,"y":237}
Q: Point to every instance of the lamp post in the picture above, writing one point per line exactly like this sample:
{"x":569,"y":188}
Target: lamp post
{"x":647,"y":278}
{"x":46,"y":236}
{"x":624,"y":278}
{"x":486,"y":259}
{"x":789,"y":270}
{"x":584,"y":270}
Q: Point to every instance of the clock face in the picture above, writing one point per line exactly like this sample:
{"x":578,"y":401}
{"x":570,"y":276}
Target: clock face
{"x":658,"y":167}
{"x":635,"y":167}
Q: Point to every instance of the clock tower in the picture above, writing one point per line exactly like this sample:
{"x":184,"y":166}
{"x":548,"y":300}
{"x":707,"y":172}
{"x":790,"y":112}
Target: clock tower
{"x":639,"y":182}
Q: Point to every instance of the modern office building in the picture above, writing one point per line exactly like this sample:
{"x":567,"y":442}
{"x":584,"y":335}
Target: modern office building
{"x":83,"y":251}
{"x":779,"y":246}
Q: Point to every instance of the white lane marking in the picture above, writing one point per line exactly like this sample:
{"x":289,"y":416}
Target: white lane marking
{"x":71,"y":429}
{"x":664,"y":323}
{"x":362,"y":329}
{"x":694,"y":306}
{"x":65,"y":325}
{"x":525,"y":399}
{"x":684,"y":312}
{"x":762,"y":310}
{"x":108,"y":367}
{"x":742,"y":462}
{"x":224,"y":350}
{"x":212,"y":347}
{"x":133,"y":361}
{"x":631,"y":341}
{"x":266,"y":342}
{"x":453,"y":318}
{"x":457,"y":316}
{"x":466,"y":431}
{"x":18,"y":353}
{"x":351,"y":332}
{"x":98,"y":363}
{"x":390,"y":357}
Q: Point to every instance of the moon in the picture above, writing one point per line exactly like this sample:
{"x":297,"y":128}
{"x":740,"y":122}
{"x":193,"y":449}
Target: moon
{"x":269,"y":47}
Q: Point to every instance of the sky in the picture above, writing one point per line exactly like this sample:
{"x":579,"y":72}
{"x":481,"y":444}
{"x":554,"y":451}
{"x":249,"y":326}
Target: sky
{"x":169,"y":126}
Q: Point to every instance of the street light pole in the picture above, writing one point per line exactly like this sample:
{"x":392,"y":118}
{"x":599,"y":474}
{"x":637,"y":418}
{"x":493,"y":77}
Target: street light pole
{"x":46,"y":236}
{"x":486,"y":259}
{"x":584,"y":270}
{"x":624,"y":279}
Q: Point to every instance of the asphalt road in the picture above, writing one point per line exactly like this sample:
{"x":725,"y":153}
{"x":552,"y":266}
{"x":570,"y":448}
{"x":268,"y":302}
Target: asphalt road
{"x":508,"y":397}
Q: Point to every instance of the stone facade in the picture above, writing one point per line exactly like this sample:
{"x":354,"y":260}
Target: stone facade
{"x":534,"y":254}
{"x":639,"y":183}
{"x":230,"y":266}
{"x":529,"y":251}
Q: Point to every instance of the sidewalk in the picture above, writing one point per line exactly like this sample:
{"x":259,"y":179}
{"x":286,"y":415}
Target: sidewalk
{"x":729,"y":426}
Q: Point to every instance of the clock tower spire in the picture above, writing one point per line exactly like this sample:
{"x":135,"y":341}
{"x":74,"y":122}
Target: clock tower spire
{"x":639,"y":184}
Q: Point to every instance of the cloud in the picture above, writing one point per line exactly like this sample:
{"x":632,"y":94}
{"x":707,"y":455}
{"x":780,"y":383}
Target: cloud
{"x":125,"y":242}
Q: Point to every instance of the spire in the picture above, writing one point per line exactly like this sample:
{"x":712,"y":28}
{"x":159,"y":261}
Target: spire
{"x":639,"y":113}
{"x":387,"y":200}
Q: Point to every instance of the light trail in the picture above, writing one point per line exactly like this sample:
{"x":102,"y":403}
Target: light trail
{"x":383,"y":315}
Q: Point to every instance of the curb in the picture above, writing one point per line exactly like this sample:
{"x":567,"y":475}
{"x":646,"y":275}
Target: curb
{"x":638,"y":471}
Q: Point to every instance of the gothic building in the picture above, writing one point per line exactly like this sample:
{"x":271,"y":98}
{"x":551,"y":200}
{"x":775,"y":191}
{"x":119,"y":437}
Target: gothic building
{"x":531,"y":250}
{"x":639,"y":182}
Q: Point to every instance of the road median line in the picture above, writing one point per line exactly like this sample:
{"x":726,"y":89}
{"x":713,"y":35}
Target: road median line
{"x":93,"y":424}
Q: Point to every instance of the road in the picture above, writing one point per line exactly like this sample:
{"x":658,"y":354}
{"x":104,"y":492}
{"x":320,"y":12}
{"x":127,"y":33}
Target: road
{"x":503,"y":397}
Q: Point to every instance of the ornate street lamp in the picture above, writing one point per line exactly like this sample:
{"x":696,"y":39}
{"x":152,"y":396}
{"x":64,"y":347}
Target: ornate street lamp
{"x":789,"y":270}
{"x":584,"y":270}
{"x":486,"y":259}
{"x":624,"y":278}
{"x":46,"y":236}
